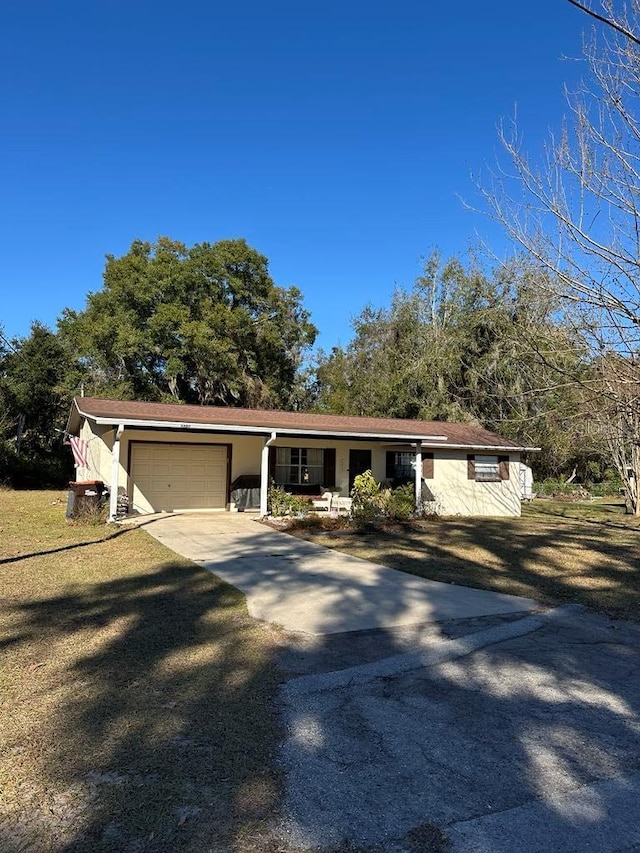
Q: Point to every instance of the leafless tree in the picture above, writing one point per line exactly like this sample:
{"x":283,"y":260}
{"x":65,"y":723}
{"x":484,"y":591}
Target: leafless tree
{"x":577,"y":214}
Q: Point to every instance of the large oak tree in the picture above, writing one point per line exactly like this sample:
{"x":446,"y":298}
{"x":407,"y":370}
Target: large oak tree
{"x":203,"y":324}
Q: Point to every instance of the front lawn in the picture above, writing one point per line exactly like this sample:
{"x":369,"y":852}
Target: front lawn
{"x":136,"y":694}
{"x":555,"y":553}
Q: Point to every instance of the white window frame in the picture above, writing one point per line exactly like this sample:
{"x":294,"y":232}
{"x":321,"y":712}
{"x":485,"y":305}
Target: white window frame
{"x":290,"y":459}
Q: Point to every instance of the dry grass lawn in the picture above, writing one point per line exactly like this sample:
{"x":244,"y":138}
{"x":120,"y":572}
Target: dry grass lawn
{"x":555,"y":553}
{"x":137,"y":698}
{"x":136,"y":694}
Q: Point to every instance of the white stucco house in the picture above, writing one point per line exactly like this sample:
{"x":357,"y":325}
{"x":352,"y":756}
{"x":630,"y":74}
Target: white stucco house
{"x":171,"y":457}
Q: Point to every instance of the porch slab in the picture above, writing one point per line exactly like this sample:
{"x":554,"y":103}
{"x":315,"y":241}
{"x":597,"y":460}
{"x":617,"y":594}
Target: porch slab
{"x":305,"y":587}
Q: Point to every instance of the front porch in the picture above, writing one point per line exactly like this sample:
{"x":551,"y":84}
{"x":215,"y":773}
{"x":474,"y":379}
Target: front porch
{"x":168,"y":470}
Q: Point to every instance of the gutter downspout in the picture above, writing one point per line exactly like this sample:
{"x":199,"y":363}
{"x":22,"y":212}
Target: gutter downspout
{"x":115,"y":470}
{"x":418,"y":480}
{"x":264,"y":474}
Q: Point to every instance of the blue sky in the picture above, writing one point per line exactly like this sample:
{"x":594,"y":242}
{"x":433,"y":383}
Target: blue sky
{"x":336,"y":137}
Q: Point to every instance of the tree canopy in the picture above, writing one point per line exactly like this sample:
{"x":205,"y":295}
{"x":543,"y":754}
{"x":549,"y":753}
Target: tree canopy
{"x":466,"y":345}
{"x":33,"y":408}
{"x":203,"y":324}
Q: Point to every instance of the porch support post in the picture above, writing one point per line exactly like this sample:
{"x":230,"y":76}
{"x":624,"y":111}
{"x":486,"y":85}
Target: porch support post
{"x":264,"y":474}
{"x":115,"y":470}
{"x":418,"y":480}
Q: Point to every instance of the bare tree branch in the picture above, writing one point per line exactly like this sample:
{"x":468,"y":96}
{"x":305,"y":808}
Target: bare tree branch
{"x":608,"y":21}
{"x":577,"y":215}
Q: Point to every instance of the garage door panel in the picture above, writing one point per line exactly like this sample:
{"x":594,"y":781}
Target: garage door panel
{"x":169,"y":477}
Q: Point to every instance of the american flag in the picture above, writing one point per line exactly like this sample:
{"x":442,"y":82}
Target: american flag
{"x":79,"y":448}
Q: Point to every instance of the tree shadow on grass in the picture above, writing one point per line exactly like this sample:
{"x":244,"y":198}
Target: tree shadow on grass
{"x":61,"y":548}
{"x":161,"y":731}
{"x":504,"y":556}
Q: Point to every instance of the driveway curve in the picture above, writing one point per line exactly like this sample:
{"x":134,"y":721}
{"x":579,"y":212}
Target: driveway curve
{"x":305,"y":587}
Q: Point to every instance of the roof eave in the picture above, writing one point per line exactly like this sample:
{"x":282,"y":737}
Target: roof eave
{"x":74,"y":419}
{"x":426,"y":442}
{"x":251,"y":430}
{"x":508,"y":448}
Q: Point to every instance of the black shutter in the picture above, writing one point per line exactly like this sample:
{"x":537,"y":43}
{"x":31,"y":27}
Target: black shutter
{"x":329,"y":468}
{"x":427,"y":466}
{"x":471,"y":466}
{"x":272,"y":465}
{"x":391,"y":465}
{"x":503,"y":467}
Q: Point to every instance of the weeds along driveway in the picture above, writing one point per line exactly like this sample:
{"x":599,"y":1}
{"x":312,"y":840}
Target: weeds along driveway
{"x":303,"y":586}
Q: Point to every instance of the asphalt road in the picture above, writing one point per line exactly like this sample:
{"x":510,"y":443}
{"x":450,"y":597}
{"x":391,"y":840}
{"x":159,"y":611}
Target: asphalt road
{"x":511,"y":739}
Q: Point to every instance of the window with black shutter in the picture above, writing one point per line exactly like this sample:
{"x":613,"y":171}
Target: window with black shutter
{"x":487,"y":468}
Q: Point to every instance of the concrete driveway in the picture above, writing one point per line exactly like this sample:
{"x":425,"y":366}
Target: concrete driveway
{"x":305,"y":587}
{"x":446,"y":720}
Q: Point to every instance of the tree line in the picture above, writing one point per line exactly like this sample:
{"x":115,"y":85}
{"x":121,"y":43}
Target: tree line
{"x":207,"y":325}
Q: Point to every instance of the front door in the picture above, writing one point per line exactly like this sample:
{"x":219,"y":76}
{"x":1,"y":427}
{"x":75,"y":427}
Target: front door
{"x":359,"y":461}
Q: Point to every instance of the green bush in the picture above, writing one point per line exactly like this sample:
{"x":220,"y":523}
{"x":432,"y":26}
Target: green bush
{"x":401,"y":503}
{"x":299,"y":504}
{"x":368,"y":499}
{"x":372,"y":501}
{"x":281,"y":503}
{"x":277,"y":501}
{"x":607,"y":489}
{"x":553,"y":486}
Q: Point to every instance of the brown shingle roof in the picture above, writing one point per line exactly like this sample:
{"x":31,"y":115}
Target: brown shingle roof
{"x":438,"y":432}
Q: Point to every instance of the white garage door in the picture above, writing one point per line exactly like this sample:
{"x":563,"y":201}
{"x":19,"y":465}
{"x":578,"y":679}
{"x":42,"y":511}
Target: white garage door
{"x":169,"y":477}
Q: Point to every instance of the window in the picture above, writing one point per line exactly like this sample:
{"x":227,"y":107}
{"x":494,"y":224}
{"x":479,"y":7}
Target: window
{"x":299,"y":466}
{"x":486,"y":468}
{"x":401,"y":466}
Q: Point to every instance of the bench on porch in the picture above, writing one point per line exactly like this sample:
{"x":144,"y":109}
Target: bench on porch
{"x":332,"y":501}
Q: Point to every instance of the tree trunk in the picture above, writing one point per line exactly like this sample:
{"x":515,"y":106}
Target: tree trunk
{"x":19,"y":433}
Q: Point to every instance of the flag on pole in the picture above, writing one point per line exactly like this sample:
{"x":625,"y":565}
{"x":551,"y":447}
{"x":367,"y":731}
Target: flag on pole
{"x":79,"y":448}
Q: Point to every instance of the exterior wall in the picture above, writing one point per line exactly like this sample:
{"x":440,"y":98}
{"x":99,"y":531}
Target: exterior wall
{"x":99,"y":443}
{"x":174,"y":437}
{"x":455,"y":494}
{"x":246,"y":452}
